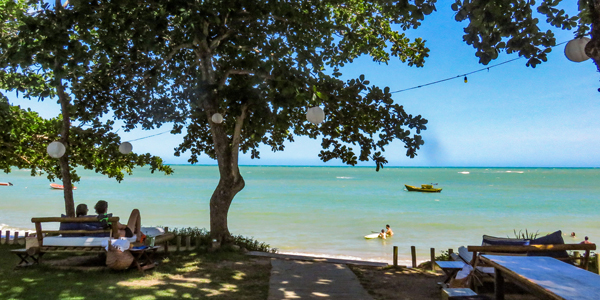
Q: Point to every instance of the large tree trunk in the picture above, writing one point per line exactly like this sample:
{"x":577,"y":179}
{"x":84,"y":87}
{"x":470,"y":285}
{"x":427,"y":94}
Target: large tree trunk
{"x":65,"y":102}
{"x":65,"y":169}
{"x":592,"y":49}
{"x":231,"y":181}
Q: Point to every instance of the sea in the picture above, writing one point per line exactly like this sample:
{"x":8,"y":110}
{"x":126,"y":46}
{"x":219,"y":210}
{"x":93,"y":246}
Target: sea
{"x":327,"y":211}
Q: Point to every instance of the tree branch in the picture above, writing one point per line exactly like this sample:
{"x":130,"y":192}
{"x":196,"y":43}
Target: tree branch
{"x":237,"y":136}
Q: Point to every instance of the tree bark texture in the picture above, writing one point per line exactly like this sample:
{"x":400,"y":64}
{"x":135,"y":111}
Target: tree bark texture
{"x":592,"y":49}
{"x":65,"y":169}
{"x":65,"y":103}
{"x":230,"y":183}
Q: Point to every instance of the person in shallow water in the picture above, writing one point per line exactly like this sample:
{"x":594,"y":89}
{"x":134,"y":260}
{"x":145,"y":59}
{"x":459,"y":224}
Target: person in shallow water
{"x":389,"y":231}
{"x":382,"y":234}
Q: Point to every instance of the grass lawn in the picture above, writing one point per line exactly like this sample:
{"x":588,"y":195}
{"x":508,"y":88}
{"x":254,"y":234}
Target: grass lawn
{"x":191,"y":275}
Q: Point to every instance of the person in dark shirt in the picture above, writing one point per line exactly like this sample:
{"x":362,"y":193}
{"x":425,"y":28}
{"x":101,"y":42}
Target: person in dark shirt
{"x":81,"y":210}
{"x":133,"y":224}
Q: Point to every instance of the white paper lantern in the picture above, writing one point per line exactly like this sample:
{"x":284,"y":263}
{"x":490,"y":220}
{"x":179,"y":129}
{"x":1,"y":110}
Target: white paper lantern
{"x":125,"y":147}
{"x":56,"y":149}
{"x":217,"y":118}
{"x":575,"y":49}
{"x":315,"y":115}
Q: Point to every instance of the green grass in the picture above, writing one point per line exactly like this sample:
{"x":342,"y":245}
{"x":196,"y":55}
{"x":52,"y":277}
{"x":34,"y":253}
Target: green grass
{"x":221,"y":275}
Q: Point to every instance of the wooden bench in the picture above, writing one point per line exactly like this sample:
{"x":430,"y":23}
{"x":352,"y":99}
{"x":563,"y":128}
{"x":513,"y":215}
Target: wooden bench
{"x":32,"y":254}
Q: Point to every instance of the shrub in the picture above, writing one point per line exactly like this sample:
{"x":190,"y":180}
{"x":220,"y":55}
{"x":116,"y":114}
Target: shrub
{"x":202,"y":236}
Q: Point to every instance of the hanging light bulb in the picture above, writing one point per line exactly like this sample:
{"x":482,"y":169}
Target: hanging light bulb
{"x":217,"y":118}
{"x":125,"y":147}
{"x":575,"y":49}
{"x":315,"y":115}
{"x":56,"y":149}
{"x":465,"y":79}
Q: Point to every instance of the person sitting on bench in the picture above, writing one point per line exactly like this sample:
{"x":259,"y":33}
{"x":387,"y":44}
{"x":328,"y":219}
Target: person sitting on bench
{"x":133,"y":224}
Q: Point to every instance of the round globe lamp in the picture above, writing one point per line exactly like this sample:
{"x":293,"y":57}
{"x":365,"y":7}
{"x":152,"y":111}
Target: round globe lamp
{"x":575,"y":49}
{"x":217,"y":118}
{"x":125,"y":147}
{"x":56,"y":149}
{"x":315,"y":115}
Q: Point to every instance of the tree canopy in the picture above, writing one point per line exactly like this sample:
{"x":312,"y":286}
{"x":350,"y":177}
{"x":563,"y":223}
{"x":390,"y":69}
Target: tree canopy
{"x":513,"y":26}
{"x":43,"y":53}
{"x":260,"y":64}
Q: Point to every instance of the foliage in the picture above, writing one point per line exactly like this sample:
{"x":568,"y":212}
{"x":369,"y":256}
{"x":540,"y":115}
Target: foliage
{"x":23,"y":146}
{"x":525,"y":235}
{"x":203,"y":235}
{"x":512,"y":26}
{"x":444,"y":256}
{"x":261,"y":64}
{"x":44,"y":51}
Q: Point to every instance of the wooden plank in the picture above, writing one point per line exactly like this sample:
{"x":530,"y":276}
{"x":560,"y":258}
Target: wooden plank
{"x":76,"y":231}
{"x":451,"y":264}
{"x":71,"y":220}
{"x":40,"y":235}
{"x":546,"y":277}
{"x":518,"y":249}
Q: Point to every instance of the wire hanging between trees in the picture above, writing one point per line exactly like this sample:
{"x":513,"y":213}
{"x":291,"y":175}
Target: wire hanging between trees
{"x":465,"y":74}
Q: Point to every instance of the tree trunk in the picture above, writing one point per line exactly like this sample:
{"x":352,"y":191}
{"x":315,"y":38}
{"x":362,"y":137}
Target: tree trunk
{"x":592,"y":49}
{"x":65,"y":169}
{"x":65,"y":103}
{"x":231,"y":181}
{"x":219,"y":208}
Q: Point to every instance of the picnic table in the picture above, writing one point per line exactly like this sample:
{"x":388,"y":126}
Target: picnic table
{"x":450,"y":268}
{"x":544,"y":277}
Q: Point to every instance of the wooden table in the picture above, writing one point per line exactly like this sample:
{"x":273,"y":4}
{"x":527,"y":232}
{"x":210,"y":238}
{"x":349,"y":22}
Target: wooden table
{"x":544,"y":277}
{"x":143,"y":259}
{"x":450,"y":268}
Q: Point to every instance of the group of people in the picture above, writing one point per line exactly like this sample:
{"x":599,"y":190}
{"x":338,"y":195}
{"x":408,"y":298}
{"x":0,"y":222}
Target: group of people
{"x":386,"y":232}
{"x":131,"y":229}
{"x":585,"y":241}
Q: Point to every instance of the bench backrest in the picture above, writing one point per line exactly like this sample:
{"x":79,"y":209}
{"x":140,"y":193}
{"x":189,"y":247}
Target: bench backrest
{"x":113,"y":232}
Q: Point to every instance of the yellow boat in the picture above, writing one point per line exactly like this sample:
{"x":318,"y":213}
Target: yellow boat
{"x":426,"y":188}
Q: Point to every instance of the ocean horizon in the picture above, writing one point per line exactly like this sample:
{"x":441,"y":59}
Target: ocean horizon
{"x":327,"y":210}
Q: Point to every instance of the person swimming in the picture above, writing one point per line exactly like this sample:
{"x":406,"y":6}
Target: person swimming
{"x":389,"y":230}
{"x":382,"y":234}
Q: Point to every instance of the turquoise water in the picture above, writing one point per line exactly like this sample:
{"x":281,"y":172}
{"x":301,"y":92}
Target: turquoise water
{"x":327,"y":210}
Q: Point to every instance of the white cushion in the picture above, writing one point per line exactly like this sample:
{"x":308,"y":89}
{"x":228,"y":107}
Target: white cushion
{"x":83,"y":241}
{"x":153,"y":231}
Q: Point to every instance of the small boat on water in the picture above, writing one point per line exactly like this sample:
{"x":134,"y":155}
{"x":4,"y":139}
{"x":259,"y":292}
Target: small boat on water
{"x":59,"y":187}
{"x":425,"y":188}
{"x":5,"y":184}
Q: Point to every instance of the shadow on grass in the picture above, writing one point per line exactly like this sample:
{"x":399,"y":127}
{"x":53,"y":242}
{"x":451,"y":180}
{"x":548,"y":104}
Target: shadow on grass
{"x":182,"y":276}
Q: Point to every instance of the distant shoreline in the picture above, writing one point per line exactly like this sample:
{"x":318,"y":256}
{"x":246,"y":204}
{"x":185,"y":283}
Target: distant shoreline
{"x":390,"y":167}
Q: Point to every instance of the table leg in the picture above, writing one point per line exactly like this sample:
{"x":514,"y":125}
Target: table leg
{"x":499,"y":285}
{"x":450,"y":274}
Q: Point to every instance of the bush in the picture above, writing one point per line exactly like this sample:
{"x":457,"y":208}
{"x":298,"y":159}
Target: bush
{"x":202,"y":236}
{"x":444,"y":256}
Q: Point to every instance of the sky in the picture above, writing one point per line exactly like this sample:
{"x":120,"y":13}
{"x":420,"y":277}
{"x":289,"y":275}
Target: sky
{"x":509,"y":116}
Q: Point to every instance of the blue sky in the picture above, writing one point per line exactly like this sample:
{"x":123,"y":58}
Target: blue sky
{"x":509,"y":116}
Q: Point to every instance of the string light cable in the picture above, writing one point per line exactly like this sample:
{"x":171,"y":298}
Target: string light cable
{"x":465,"y":74}
{"x":149,"y":136}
